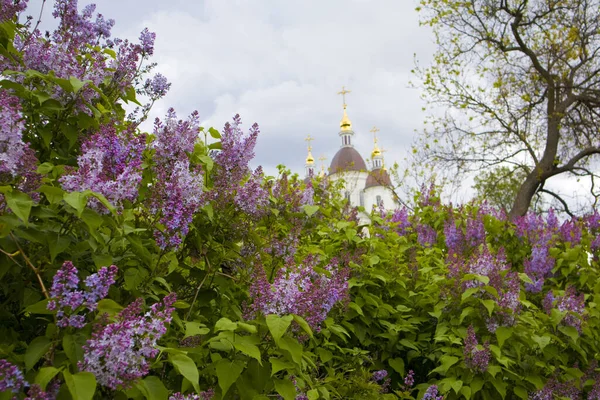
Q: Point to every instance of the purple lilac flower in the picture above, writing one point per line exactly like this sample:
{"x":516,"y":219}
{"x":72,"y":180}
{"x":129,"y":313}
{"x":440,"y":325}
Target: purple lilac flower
{"x":157,"y":87}
{"x":432,"y":393}
{"x":207,"y":395}
{"x":409,"y":380}
{"x":570,"y":231}
{"x":426,"y":235}
{"x":308,"y":195}
{"x":476,"y":358}
{"x":538,"y":267}
{"x":177,"y":192}
{"x":230,"y":183}
{"x":147,"y":39}
{"x":400,"y":217}
{"x":252,"y":198}
{"x":556,"y":389}
{"x":66,"y":298}
{"x":36,"y":393}
{"x":119,"y":353}
{"x":574,"y":304}
{"x":475,"y":231}
{"x":454,"y":238}
{"x":110,"y":164}
{"x":379,"y":375}
{"x":11,"y":377}
{"x":12,"y":124}
{"x":299,"y":289}
{"x":9,"y":9}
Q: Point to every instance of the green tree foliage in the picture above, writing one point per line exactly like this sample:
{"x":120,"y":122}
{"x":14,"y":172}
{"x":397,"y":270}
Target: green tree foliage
{"x":518,"y":85}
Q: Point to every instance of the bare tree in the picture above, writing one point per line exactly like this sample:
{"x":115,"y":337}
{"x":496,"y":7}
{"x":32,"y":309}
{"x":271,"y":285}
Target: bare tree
{"x":520,"y":83}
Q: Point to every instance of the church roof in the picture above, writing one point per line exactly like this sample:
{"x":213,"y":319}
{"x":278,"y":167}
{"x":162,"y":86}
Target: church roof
{"x":378,"y":177}
{"x":347,"y":159}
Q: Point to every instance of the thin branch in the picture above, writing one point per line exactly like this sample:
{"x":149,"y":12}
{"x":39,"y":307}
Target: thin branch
{"x":33,"y":268}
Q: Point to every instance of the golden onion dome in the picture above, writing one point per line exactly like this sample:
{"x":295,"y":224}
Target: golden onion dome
{"x":345,"y":123}
{"x":309,"y":158}
{"x":376,"y":152}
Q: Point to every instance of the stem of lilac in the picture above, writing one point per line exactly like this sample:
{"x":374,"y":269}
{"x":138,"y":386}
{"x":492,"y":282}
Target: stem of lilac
{"x":33,"y":268}
{"x":199,"y":287}
{"x":37,"y":24}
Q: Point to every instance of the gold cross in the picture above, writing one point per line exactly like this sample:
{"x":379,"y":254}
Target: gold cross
{"x":343,"y":93}
{"x":309,"y":139}
{"x":374,"y":130}
{"x":322,"y":158}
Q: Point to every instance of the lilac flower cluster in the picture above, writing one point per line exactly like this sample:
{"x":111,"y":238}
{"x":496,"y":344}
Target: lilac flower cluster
{"x":432,"y":394}
{"x":592,"y":222}
{"x":17,"y":159}
{"x":400,"y":217}
{"x":177,"y":192}
{"x":570,"y":302}
{"x":12,"y":124}
{"x":409,"y":379}
{"x":556,"y":389}
{"x":540,"y":234}
{"x":157,"y":87}
{"x":66,"y":298}
{"x":36,"y":393}
{"x":475,"y":231}
{"x":110,"y":164}
{"x":230,"y":185}
{"x":9,"y":9}
{"x":11,"y":377}
{"x":207,"y":395}
{"x":119,"y":353}
{"x":379,"y":375}
{"x":426,"y":235}
{"x":476,"y":358}
{"x":570,"y":231}
{"x":301,"y":290}
{"x":455,"y":239}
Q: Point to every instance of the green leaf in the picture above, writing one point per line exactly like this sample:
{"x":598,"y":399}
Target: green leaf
{"x":247,"y":327}
{"x":489,"y":304}
{"x":45,"y":375}
{"x":324,"y":354}
{"x":36,"y":349}
{"x":356,"y":308}
{"x":82,"y":385}
{"x":214,"y":133}
{"x":398,"y":365}
{"x":225,"y":324}
{"x":312,"y":394}
{"x":228,"y":372}
{"x":77,"y":84}
{"x":77,"y":200}
{"x":134,"y":277}
{"x":109,"y":306}
{"x":310,"y":210}
{"x":542,"y":341}
{"x":522,"y":392}
{"x":292,"y":346}
{"x":245,"y":345}
{"x":56,"y":244}
{"x":285,"y":388}
{"x":41,"y":307}
{"x":570,"y":332}
{"x":446,"y":362}
{"x":20,"y":204}
{"x":193,"y":328}
{"x":278,"y":325}
{"x":503,"y":333}
{"x":303,"y":324}
{"x":186,"y":367}
{"x":153,"y":388}
{"x":278,"y":364}
{"x":53,"y":194}
{"x":73,"y":347}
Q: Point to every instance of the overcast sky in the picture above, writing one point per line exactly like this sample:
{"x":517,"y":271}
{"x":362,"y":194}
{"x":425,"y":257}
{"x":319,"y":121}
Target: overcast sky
{"x":281,"y":63}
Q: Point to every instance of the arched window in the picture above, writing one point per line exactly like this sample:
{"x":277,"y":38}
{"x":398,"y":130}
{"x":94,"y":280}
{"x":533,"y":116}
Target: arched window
{"x":379,"y":201}
{"x":362,"y":198}
{"x":347,"y":196}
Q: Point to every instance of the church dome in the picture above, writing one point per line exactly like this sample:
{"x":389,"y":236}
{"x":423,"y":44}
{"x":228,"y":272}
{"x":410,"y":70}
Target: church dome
{"x":378,"y":177}
{"x":347,"y":159}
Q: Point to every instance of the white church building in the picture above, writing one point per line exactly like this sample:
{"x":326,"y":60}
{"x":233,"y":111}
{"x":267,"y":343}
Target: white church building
{"x":363,"y":186}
